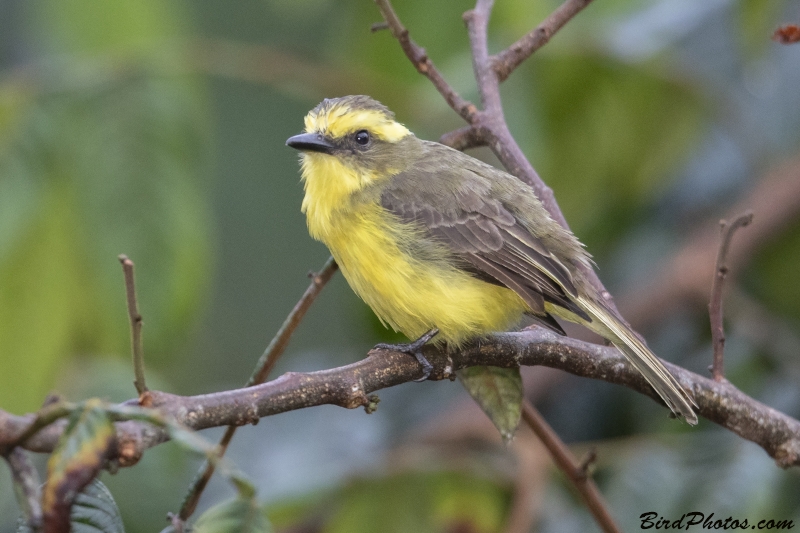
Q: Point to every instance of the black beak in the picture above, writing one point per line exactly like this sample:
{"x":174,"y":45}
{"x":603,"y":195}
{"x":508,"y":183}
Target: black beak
{"x":311,"y":142}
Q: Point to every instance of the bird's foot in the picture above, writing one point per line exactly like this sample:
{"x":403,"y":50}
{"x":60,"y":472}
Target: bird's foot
{"x":415,"y":349}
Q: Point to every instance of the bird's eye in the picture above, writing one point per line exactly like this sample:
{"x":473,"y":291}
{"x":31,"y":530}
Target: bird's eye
{"x":362,"y":137}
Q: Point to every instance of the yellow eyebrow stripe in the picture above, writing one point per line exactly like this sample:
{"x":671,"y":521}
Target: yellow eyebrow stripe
{"x":341,"y":121}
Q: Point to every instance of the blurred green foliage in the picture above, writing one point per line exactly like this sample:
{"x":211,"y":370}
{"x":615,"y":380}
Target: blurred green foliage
{"x":773,"y":276}
{"x":155,"y":128}
{"x":103,"y":155}
{"x":610,"y":134}
{"x":425,"y":502}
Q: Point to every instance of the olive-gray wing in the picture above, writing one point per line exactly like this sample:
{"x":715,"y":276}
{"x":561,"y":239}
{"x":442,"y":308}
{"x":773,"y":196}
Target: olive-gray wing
{"x":493,"y":247}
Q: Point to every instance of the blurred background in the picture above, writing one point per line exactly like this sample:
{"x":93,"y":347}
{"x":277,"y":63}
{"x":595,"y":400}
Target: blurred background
{"x":156,"y":129}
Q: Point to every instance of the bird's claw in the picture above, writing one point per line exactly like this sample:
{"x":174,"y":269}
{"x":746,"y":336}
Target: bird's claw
{"x":415,"y":349}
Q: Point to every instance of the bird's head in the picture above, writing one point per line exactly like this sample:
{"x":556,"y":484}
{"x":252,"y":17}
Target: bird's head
{"x":354,"y":141}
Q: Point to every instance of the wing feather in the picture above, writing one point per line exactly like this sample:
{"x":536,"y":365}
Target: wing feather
{"x":483,"y":232}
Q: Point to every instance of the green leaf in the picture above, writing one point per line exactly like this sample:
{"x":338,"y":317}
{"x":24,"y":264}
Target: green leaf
{"x":499,"y":393}
{"x":75,"y":462}
{"x":94,"y":511}
{"x":240,"y":515}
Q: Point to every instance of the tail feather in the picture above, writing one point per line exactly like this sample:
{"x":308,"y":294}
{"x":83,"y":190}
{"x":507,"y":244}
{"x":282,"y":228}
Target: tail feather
{"x":664,"y":383}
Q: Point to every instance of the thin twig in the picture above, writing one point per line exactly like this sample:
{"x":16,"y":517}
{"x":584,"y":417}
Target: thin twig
{"x":263,"y":367}
{"x":587,"y":462}
{"x":419,"y":58}
{"x":567,"y":463}
{"x":715,"y":305}
{"x":27,"y":488}
{"x":43,"y":418}
{"x":136,"y":325}
{"x":505,"y":62}
{"x":463,"y":138}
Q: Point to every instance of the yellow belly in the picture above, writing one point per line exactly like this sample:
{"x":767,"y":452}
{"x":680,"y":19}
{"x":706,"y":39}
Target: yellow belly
{"x":409,"y":295}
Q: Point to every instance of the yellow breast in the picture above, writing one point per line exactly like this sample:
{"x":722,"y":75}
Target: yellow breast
{"x":409,"y":294}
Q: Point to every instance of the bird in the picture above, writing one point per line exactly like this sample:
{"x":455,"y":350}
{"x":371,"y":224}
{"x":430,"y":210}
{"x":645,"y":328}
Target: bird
{"x":442,"y":245}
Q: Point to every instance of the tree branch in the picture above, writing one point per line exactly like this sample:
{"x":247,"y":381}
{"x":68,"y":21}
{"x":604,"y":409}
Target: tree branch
{"x":349,"y":386}
{"x":574,"y":471}
{"x":505,"y":62}
{"x":715,"y":305}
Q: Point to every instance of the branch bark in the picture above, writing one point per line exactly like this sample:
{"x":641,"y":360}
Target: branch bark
{"x":350,"y":386}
